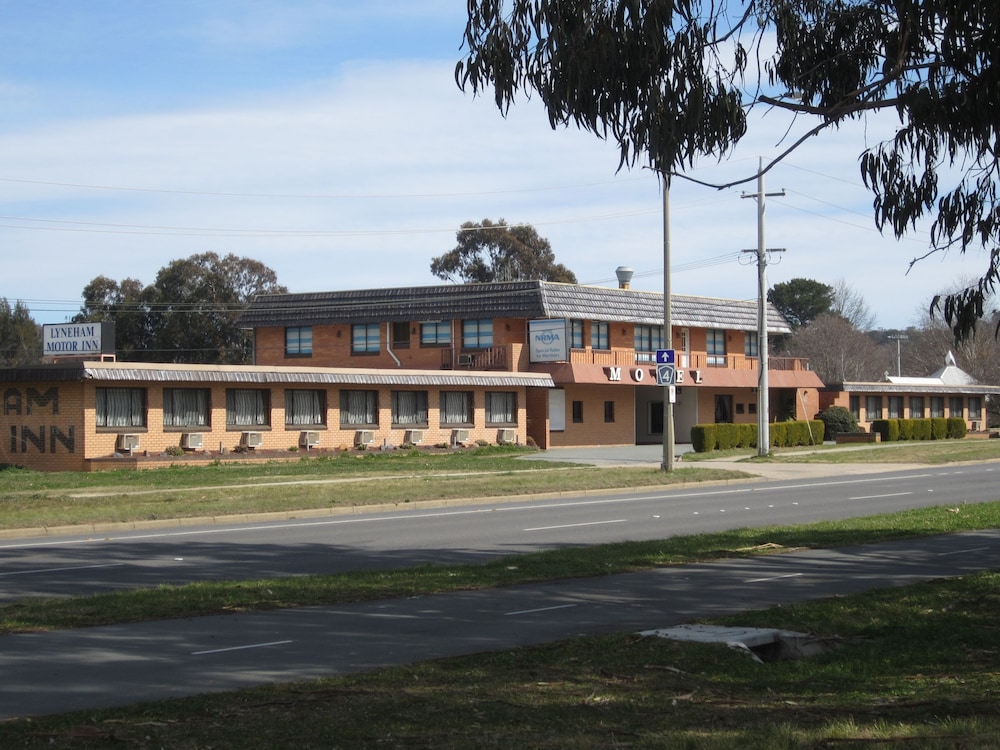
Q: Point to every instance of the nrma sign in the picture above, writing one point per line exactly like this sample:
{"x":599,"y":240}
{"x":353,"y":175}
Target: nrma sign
{"x":547,"y":341}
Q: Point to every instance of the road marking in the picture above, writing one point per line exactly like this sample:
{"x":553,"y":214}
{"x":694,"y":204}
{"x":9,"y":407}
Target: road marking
{"x":963,"y":551}
{"x":59,"y":570}
{"x":239,"y":648}
{"x":876,"y":497}
{"x":540,"y":609}
{"x":575,"y":525}
{"x":385,"y":616}
{"x":773,"y":578}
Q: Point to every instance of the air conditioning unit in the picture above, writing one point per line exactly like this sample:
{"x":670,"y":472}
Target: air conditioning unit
{"x":193,"y":440}
{"x":466,"y":360}
{"x":506,"y":435}
{"x":127,"y":443}
{"x":976,"y":426}
{"x":364,"y":437}
{"x":251,"y":440}
{"x":308,"y":439}
{"x":459,"y":437}
{"x":414,"y":437}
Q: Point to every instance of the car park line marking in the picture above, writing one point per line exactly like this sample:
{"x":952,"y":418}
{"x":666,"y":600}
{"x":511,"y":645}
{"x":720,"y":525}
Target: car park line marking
{"x":575,"y":525}
{"x":540,"y":609}
{"x":773,"y":578}
{"x":876,"y":497}
{"x":239,"y":648}
{"x":39,"y":571}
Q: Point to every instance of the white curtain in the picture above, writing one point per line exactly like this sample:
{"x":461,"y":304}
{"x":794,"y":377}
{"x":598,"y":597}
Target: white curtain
{"x":246,"y":408}
{"x":455,"y":407}
{"x":185,"y":407}
{"x":304,"y":408}
{"x":409,"y":407}
{"x":121,"y":407}
{"x":500,"y":408}
{"x":359,"y":407}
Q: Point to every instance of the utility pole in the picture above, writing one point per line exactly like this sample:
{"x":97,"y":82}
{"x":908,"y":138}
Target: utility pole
{"x":898,"y":337}
{"x":668,"y":335}
{"x":763,"y":400}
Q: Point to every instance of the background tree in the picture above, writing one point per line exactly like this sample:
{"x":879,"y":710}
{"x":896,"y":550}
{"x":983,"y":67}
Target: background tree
{"x":666,"y":81}
{"x":20,"y":336}
{"x":848,"y":303}
{"x":488,"y":251}
{"x":188,"y":314}
{"x":839,"y":352}
{"x":801,"y":300}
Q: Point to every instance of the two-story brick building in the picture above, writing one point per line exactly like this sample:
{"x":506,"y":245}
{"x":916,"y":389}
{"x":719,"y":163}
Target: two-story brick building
{"x":599,"y":350}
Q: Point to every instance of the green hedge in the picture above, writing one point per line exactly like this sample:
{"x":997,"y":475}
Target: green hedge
{"x":709,"y":437}
{"x":935,"y":428}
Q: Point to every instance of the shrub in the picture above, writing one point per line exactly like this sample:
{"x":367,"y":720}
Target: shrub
{"x":703,"y":438}
{"x":939,"y":428}
{"x":837,"y":419}
{"x":887,"y":428}
{"x":957,"y":427}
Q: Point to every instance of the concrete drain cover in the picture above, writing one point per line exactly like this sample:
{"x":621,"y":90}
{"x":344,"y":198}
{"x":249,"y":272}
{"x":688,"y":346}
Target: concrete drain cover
{"x":761,"y":644}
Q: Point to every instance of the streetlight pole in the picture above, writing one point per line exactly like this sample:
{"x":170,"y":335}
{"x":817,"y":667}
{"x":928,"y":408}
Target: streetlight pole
{"x":763,"y":400}
{"x":899,"y":366}
{"x":668,"y":336}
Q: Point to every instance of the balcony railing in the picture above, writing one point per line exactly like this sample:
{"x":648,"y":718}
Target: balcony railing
{"x":490,"y":358}
{"x":692,"y":361}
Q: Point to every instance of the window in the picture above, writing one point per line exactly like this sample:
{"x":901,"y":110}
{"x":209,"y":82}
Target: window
{"x":609,"y":411}
{"x":750,"y":346}
{"x":359,"y":408}
{"x":855,"y":406}
{"x":578,"y":411}
{"x":895,"y":407}
{"x":956,"y":406}
{"x":715,"y":347}
{"x":477,"y":334}
{"x":436,"y":333}
{"x":185,"y":407}
{"x":248,"y":407}
{"x":937,"y":406}
{"x":401,"y":335}
{"x":576,"y":334}
{"x":501,"y":407}
{"x":975,"y":408}
{"x":305,"y":407}
{"x":365,"y":338}
{"x":916,"y":407}
{"x":121,"y":407}
{"x":599,"y":335}
{"x":873,"y":407}
{"x":409,"y":408}
{"x":456,"y":407}
{"x":299,"y":341}
{"x":648,"y":339}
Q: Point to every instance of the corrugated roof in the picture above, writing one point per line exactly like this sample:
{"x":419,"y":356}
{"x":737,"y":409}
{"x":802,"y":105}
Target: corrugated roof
{"x":138,"y":372}
{"x":516,"y":299}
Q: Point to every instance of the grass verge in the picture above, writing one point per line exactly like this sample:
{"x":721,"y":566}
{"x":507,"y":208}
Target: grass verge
{"x":919,"y":669}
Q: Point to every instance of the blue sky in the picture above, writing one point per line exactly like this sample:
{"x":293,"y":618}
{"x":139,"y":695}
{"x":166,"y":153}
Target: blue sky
{"x":327,"y":139}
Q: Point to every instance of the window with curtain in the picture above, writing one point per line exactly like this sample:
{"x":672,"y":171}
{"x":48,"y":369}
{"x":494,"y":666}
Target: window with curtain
{"x":750,"y":345}
{"x":501,"y":408}
{"x":975,"y":408}
{"x":895,"y":407}
{"x":937,"y":406}
{"x":298,"y":341}
{"x":715,"y":347}
{"x":648,"y":338}
{"x":305,"y":407}
{"x":185,"y":407}
{"x":956,"y":406}
{"x":359,"y":408}
{"x":409,"y":408}
{"x":599,"y":335}
{"x":456,"y":407}
{"x":436,"y":333}
{"x":248,"y":407}
{"x":873,"y":407}
{"x":365,"y":338}
{"x":855,"y":406}
{"x":916,"y":407}
{"x":576,"y":334}
{"x":121,"y":407}
{"x":477,"y":334}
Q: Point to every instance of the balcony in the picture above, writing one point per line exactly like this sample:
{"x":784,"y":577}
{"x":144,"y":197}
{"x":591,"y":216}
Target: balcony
{"x":490,"y":358}
{"x":693,"y":361}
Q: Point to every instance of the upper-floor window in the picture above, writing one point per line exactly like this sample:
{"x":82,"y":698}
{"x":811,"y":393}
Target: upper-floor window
{"x":576,"y":334}
{"x":365,"y":338}
{"x":121,"y":407}
{"x":401,"y":335}
{"x":715,"y":347}
{"x":248,"y":407}
{"x":648,"y":338}
{"x":599,"y":335}
{"x":435,"y":333}
{"x":409,"y":408}
{"x":477,"y":334}
{"x":299,"y":341}
{"x":186,"y":407}
{"x":305,"y":406}
{"x":750,"y":346}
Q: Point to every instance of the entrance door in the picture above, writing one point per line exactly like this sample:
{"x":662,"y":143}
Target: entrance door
{"x":655,"y":420}
{"x":723,"y":408}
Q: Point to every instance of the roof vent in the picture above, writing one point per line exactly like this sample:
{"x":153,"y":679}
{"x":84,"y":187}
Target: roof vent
{"x":624,"y":274}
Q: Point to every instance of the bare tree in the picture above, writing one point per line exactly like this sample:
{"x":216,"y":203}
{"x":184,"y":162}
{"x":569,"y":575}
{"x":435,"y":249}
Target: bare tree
{"x":851,"y":306}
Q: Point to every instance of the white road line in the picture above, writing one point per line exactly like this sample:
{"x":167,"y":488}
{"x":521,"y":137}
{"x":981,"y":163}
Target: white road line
{"x":367,"y":614}
{"x":963,"y":551}
{"x":773,"y":578}
{"x":239,"y":648}
{"x":540,"y":609}
{"x":575,"y":525}
{"x":876,"y":497}
{"x":59,"y":570}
